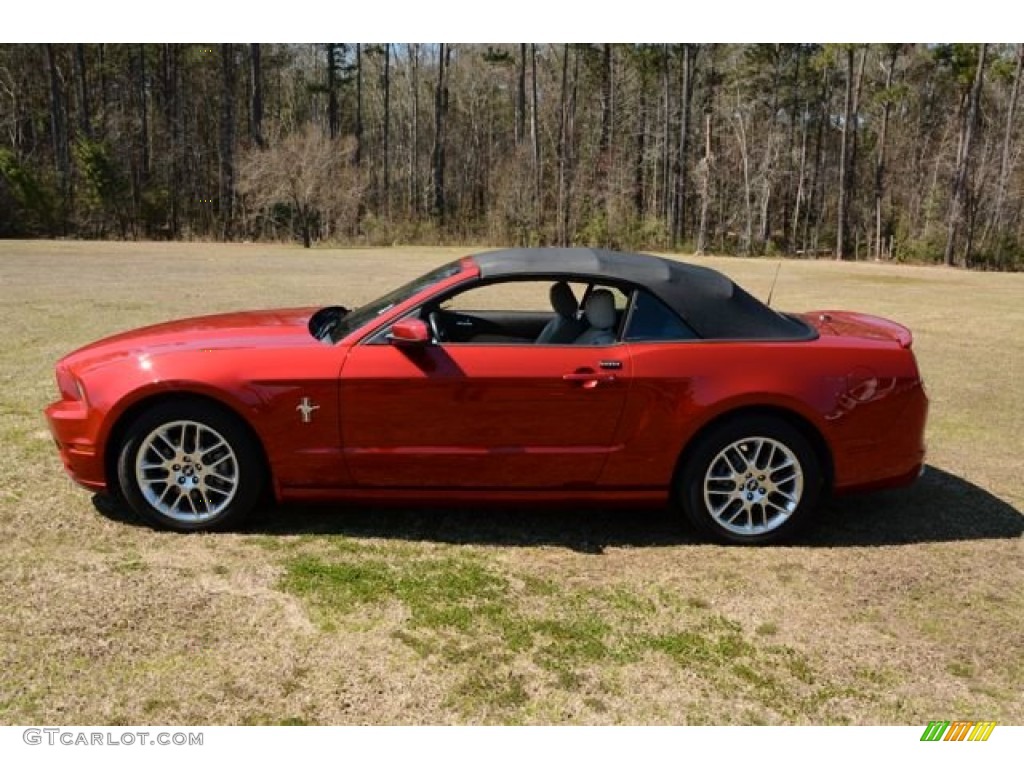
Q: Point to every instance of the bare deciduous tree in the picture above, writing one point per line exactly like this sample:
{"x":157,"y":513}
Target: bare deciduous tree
{"x":963,"y":156}
{"x":311,"y":177}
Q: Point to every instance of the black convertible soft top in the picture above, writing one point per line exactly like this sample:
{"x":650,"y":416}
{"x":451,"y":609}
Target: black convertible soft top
{"x":713,"y":305}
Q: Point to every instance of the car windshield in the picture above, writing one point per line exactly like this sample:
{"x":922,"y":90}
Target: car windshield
{"x":360,"y":316}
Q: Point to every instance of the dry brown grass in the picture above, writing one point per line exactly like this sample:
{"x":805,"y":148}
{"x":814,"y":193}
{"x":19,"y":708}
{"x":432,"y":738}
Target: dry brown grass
{"x":897,"y":608}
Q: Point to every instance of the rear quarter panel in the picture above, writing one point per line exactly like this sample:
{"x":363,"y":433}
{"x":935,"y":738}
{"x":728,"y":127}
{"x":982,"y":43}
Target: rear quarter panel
{"x":863,"y":397}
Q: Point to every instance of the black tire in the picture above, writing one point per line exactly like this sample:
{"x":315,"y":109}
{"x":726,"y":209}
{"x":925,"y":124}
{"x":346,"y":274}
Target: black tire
{"x":737,"y":498}
{"x":215,"y":497}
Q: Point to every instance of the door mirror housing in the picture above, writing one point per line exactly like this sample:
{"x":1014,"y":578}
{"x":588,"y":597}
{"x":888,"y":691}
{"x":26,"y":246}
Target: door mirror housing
{"x":410,"y":332}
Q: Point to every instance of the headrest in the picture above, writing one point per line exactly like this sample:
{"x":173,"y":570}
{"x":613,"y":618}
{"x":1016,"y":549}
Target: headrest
{"x":600,"y":309}
{"x":563,"y":300}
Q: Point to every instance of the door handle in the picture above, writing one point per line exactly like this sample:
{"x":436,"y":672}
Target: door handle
{"x":589,"y":379}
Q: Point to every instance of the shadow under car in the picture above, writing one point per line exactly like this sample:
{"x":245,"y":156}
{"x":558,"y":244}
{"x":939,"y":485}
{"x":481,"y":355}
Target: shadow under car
{"x":939,"y":507}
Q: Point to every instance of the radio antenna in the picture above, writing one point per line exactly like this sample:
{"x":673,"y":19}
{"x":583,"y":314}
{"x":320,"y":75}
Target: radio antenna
{"x":774,"y":280}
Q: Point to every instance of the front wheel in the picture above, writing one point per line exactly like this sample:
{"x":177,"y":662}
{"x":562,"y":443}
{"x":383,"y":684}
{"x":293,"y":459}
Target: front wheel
{"x":751,"y":481}
{"x":190,"y":467}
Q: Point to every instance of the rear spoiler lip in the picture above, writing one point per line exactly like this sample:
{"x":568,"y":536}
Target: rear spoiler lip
{"x":897,"y":333}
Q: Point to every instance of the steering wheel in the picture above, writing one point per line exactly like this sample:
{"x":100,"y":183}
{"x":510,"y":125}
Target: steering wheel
{"x":436,"y":328}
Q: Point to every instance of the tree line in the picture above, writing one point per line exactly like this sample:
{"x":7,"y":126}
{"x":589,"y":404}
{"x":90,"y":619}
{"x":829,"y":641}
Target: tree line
{"x":889,"y":151}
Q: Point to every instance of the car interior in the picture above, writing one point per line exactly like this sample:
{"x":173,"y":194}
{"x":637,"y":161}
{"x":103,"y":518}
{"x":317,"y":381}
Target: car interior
{"x":549,"y":312}
{"x":578,"y":313}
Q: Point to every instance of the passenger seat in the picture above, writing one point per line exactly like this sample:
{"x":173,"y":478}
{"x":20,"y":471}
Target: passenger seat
{"x":599,"y":311}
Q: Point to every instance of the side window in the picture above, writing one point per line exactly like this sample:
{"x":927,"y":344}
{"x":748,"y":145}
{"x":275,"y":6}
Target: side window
{"x":508,"y":296}
{"x":651,"y":320}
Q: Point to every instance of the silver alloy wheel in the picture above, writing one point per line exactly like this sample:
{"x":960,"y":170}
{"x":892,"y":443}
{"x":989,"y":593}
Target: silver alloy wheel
{"x":187,"y":471}
{"x":753,"y":486}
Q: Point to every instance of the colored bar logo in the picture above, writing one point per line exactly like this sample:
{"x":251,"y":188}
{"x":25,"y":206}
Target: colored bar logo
{"x":958,"y":730}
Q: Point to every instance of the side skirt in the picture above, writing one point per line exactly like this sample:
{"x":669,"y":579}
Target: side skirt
{"x":461,"y":495}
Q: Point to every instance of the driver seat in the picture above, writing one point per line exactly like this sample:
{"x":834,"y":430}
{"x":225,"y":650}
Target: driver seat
{"x":565,"y":326}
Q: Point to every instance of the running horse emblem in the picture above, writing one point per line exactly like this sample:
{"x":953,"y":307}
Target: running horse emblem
{"x":306,"y":408}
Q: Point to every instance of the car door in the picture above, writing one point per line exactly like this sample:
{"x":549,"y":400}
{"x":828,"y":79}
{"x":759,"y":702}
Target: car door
{"x":450,"y":415}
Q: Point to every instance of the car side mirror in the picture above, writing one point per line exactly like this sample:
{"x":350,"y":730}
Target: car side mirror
{"x":410,"y":332}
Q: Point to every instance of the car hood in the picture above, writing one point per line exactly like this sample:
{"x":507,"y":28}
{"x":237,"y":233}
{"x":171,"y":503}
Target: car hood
{"x":270,"y":329}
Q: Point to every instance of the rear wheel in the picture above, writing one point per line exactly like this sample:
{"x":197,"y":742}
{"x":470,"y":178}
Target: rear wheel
{"x":751,"y":481}
{"x":190,"y":467}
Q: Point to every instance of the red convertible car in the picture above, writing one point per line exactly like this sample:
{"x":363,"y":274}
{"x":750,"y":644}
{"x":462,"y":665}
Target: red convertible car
{"x":517,"y":375}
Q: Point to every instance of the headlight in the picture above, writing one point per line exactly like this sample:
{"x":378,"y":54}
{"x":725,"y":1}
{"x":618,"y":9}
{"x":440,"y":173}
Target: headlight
{"x":69,"y":385}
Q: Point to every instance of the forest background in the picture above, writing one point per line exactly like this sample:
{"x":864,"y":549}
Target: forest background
{"x":907,"y":152}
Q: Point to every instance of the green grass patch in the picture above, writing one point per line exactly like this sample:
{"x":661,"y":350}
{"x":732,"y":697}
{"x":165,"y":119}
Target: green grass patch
{"x":960,"y":669}
{"x":131,"y":565}
{"x":488,"y":692}
{"x":438,"y":593}
{"x":694,"y":647}
{"x":463,"y":616}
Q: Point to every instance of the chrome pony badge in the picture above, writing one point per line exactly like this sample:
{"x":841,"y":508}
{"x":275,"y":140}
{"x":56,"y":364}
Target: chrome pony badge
{"x":306,"y":408}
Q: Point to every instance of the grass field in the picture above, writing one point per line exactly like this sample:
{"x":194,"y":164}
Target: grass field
{"x":898,"y":607}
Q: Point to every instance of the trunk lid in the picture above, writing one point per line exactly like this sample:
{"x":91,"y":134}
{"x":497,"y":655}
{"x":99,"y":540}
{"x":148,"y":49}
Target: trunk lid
{"x":830,"y":322}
